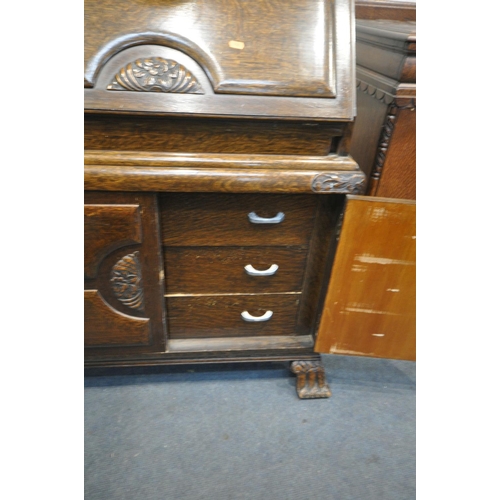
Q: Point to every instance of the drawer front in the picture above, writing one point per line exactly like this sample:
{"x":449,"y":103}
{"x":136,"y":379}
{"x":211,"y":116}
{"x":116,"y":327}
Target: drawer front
{"x":202,"y":219}
{"x":221,"y":316}
{"x":209,"y":270}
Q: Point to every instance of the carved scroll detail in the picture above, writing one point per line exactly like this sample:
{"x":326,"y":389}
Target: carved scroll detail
{"x":383,"y":145}
{"x":126,"y":281}
{"x":155,"y":74}
{"x":339,"y":182}
{"x":311,"y":382}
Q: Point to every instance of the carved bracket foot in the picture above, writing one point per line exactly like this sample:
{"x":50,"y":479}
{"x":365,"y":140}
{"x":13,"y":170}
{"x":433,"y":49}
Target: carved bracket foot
{"x":311,"y":382}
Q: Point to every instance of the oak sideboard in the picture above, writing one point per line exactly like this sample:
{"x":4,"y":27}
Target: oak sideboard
{"x":217,"y":165}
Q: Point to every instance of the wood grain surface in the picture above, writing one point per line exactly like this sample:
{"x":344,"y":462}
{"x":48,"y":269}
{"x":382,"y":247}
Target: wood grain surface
{"x":222,"y":219}
{"x":245,"y":47}
{"x":399,"y":175}
{"x":208,"y":270}
{"x":105,"y":326}
{"x":220,"y":316}
{"x":396,"y":10}
{"x":106,"y":228}
{"x":124,"y":306}
{"x":370,"y":308}
{"x":185,"y":135}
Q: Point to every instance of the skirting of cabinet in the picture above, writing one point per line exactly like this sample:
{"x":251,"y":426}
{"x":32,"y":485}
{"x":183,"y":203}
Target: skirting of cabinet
{"x":215,"y":350}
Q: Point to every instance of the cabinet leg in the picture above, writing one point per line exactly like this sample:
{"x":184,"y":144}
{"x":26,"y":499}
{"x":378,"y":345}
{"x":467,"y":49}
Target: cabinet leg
{"x":311,"y":381}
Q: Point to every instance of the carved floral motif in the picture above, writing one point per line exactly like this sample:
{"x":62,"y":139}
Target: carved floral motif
{"x":126,"y":281}
{"x":155,"y":74}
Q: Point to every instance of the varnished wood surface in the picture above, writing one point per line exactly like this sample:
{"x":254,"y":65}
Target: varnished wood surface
{"x":318,"y":266}
{"x":220,"y":316}
{"x":184,"y":135}
{"x":386,"y":9}
{"x":340,"y":109}
{"x":370,"y":307}
{"x":227,"y":161}
{"x":206,"y":270}
{"x":245,"y":47}
{"x":222,"y":219}
{"x":106,"y":228}
{"x":221,"y":180}
{"x":399,"y":174}
{"x":104,"y":326}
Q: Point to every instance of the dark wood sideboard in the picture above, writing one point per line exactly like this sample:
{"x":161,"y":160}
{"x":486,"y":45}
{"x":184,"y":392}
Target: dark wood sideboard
{"x":217,"y":165}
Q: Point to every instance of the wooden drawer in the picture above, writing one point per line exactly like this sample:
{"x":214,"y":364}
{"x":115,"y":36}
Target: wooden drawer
{"x":207,"y":219}
{"x":209,"y":270}
{"x":220,"y":316}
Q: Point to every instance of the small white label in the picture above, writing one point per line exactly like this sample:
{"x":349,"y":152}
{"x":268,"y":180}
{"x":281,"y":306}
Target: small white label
{"x":237,"y":45}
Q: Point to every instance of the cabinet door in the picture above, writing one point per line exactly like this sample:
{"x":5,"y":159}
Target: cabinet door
{"x":123,"y":274}
{"x":370,"y":304}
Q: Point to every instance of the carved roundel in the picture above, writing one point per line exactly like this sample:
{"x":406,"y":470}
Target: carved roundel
{"x":155,"y":74}
{"x":126,"y":281}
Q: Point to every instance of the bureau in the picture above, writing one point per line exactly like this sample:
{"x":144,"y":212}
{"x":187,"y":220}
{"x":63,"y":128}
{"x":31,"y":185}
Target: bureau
{"x":216,"y":167}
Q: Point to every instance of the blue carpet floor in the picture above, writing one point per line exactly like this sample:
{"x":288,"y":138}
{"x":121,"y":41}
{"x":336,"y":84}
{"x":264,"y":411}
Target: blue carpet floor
{"x":239,"y":432}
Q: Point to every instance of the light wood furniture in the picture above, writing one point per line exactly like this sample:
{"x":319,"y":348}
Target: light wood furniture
{"x":216,"y":168}
{"x":370,"y":309}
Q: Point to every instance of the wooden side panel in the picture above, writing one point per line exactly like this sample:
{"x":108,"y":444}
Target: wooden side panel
{"x":370,"y":307}
{"x":366,"y":132}
{"x":399,"y":176}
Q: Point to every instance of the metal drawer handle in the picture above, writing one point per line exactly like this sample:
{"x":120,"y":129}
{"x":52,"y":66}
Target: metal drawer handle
{"x":255,"y":219}
{"x":255,"y":319}
{"x":251,"y":271}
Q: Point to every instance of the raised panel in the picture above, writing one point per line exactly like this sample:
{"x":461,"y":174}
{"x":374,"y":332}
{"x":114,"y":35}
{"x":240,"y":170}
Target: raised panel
{"x":245,"y":47}
{"x":107,"y":228}
{"x":105,"y":326}
{"x":124,"y":305}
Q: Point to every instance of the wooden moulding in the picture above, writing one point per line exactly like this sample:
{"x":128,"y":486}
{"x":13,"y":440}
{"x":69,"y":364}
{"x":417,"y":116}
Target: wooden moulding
{"x":231,"y":173}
